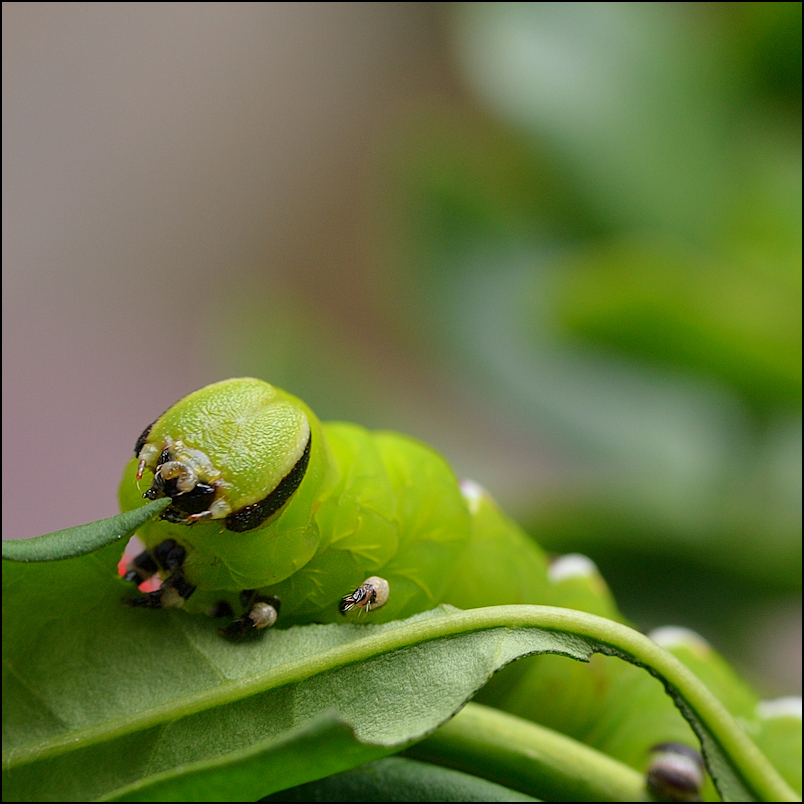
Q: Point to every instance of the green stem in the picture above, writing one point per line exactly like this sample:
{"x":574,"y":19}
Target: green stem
{"x":530,"y":758}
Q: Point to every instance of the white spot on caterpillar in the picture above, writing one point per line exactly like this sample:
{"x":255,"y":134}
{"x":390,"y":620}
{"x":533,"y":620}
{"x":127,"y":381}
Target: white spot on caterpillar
{"x":473,"y":493}
{"x":573,"y":565}
{"x":674,"y":636}
{"x":789,"y":706}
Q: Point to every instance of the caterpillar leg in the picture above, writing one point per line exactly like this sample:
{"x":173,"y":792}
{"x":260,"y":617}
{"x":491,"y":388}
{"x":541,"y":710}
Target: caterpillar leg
{"x":262,"y":613}
{"x":167,"y":555}
{"x":175,"y":589}
{"x":676,"y":773}
{"x":371,"y":594}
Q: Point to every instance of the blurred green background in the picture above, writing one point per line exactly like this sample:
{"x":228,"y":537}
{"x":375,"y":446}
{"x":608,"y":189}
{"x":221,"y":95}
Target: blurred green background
{"x":561,"y":242}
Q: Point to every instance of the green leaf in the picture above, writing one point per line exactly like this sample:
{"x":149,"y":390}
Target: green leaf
{"x":316,"y":749}
{"x":398,"y":779}
{"x":82,"y":539}
{"x":104,"y":701}
{"x":585,"y":79}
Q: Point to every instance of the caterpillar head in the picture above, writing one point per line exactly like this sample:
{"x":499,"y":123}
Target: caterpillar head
{"x":235,"y":451}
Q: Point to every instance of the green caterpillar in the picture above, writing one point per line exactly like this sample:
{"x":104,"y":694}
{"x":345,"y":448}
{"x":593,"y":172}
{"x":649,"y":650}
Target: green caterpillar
{"x":276,"y":517}
{"x":272,"y":508}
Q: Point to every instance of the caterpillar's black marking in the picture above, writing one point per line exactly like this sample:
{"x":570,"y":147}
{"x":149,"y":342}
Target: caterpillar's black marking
{"x":251,"y":516}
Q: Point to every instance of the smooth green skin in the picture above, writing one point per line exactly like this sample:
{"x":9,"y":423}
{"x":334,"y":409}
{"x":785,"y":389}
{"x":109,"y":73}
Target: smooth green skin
{"x":370,"y":504}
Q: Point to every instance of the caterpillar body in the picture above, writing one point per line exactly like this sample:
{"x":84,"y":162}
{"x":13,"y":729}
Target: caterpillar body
{"x":276,"y":517}
{"x":268,"y":502}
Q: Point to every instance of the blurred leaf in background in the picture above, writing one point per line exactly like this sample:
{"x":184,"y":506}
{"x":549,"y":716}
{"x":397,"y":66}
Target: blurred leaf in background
{"x":583,"y":285}
{"x":610,"y":242}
